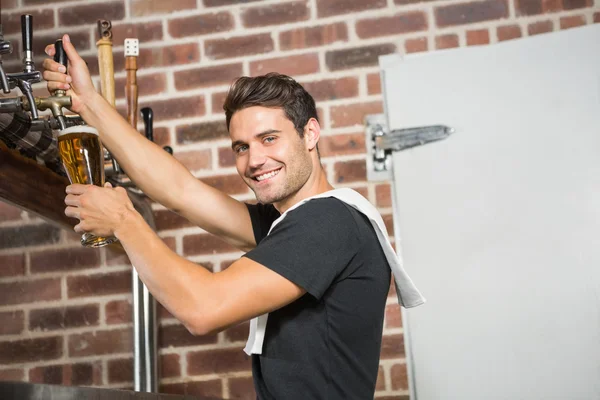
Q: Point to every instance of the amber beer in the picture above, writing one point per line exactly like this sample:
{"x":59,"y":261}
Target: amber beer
{"x":81,"y":153}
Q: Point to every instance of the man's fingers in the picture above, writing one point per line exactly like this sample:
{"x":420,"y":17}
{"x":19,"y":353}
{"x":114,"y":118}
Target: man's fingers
{"x":70,"y":50}
{"x":77,"y":228}
{"x":72,"y":212}
{"x":72,"y":55}
{"x":52,"y":86}
{"x":77,"y":188}
{"x":50,"y":50}
{"x":56,"y":77}
{"x":56,"y":80}
{"x":51,"y":65}
{"x":72,"y":200}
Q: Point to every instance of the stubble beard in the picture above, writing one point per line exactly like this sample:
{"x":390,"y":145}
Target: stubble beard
{"x":290,"y":186}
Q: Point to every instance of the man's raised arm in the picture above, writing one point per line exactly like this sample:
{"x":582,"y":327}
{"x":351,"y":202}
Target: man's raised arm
{"x":153,"y":170}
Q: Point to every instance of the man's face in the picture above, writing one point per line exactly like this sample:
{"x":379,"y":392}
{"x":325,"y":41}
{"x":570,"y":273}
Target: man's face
{"x":270,"y":155}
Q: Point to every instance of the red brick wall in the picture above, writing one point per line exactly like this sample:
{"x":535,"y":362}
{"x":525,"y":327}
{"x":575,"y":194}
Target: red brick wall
{"x":65,"y":311}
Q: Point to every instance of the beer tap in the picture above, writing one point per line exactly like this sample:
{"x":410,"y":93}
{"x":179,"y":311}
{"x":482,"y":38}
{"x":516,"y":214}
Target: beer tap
{"x":5,"y":48}
{"x":8,"y":104}
{"x":23,"y":80}
{"x":32,"y":137}
{"x":148,"y":117}
{"x":59,"y":98}
{"x":105,"y":61}
{"x":26,"y":131}
{"x":107,"y":84}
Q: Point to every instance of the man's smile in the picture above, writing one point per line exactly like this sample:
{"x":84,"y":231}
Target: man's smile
{"x":265,"y":176}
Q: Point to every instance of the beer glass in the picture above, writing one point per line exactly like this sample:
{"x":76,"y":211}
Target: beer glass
{"x":81,"y":154}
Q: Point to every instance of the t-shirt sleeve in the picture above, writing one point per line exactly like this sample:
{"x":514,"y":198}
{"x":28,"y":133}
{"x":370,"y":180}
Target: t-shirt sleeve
{"x":311,"y":246}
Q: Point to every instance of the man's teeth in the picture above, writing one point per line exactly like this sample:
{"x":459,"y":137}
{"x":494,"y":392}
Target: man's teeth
{"x":267,"y":176}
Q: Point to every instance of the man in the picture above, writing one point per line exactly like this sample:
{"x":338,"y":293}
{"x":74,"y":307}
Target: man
{"x":317,"y":267}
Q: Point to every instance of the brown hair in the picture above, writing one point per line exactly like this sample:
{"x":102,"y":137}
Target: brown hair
{"x":272,"y":90}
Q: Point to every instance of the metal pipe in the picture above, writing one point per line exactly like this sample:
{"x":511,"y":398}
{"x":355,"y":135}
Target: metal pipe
{"x":150,"y":342}
{"x":144,"y":319}
{"x":10,"y":105}
{"x":138,"y":327}
{"x":144,"y":314}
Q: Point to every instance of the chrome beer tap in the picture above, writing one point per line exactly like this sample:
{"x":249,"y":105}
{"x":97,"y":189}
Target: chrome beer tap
{"x":24,"y":80}
{"x":21,"y":127}
{"x":5,"y":48}
{"x":59,"y":98}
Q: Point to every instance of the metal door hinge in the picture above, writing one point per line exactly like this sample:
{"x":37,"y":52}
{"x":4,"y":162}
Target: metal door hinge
{"x":381,"y":143}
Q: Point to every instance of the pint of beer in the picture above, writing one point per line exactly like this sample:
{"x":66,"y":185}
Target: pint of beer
{"x":81,"y":154}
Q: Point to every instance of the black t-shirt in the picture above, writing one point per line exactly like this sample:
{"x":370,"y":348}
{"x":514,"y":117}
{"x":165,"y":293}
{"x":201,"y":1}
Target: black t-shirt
{"x":326,"y":344}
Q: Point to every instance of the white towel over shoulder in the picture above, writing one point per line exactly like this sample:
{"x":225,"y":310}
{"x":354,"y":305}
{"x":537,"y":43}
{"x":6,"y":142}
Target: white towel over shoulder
{"x":408,"y":295}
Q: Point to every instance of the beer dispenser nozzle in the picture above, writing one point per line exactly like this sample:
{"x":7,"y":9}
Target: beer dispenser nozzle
{"x":59,"y":98}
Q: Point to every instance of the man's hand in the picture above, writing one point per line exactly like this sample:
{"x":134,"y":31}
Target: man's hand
{"x":77,"y":81}
{"x":101,"y":211}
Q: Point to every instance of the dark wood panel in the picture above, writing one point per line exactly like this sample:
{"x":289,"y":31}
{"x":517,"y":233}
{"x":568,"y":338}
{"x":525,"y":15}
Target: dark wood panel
{"x":33,"y":187}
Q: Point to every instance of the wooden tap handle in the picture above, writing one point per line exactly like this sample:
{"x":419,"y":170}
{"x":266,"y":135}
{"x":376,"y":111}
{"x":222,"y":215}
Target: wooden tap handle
{"x":131,"y":90}
{"x":107,"y":69}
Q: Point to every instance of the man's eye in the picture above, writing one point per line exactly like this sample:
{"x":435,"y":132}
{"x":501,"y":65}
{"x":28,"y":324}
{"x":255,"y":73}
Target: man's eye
{"x":270,"y":139}
{"x":241,"y":149}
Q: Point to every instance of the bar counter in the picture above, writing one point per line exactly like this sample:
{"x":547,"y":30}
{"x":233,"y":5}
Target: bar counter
{"x":35,"y":391}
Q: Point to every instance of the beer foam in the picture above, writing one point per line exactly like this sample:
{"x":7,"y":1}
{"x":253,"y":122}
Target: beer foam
{"x":79,"y":129}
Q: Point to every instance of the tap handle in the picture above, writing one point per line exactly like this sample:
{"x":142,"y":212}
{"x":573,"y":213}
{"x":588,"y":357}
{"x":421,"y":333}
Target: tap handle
{"x":147,"y":115}
{"x":60,"y":56}
{"x":27,"y":31}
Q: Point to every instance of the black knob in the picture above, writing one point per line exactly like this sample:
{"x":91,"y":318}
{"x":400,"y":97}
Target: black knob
{"x":168,"y":149}
{"x":148,"y":116}
{"x":27,"y":31}
{"x":60,"y":56}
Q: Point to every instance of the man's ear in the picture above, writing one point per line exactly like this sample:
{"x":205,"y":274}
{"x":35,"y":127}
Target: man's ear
{"x":312,"y":134}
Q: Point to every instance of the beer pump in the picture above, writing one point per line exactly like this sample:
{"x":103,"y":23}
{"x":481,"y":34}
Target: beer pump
{"x":112,"y":169}
{"x":21,"y":125}
{"x":24,"y":80}
{"x":105,"y":61}
{"x":5,"y":48}
{"x":59,"y":98}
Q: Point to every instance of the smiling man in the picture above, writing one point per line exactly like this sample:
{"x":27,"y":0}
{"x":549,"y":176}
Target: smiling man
{"x":317,"y":270}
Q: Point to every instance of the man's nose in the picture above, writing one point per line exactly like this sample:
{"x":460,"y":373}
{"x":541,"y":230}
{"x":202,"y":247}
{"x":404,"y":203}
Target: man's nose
{"x":256,"y":157}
